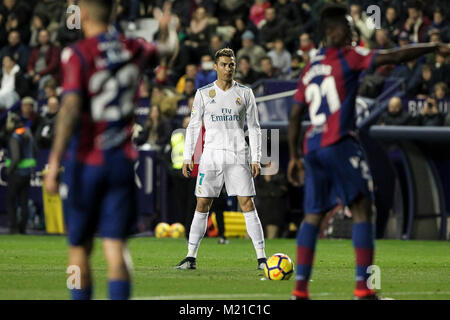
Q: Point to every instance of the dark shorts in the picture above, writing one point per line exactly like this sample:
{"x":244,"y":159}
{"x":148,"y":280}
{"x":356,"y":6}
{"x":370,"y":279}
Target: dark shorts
{"x":100,"y":199}
{"x":335,"y":174}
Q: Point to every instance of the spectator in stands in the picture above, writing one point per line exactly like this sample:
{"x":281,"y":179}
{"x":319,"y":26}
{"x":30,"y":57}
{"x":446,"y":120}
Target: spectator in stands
{"x":268,"y":71}
{"x":403,"y":39}
{"x":51,"y":88}
{"x":440,"y":90}
{"x":426,"y":83}
{"x":382,"y":40}
{"x":166,"y":100}
{"x":441,"y":69}
{"x":16,"y":16}
{"x":38,"y":22}
{"x":392,"y":23}
{"x":198,"y":33}
{"x":439,"y":23}
{"x":16,"y":49}
{"x":363,"y":24}
{"x":191,"y":72}
{"x":246,"y":73}
{"x":430,"y":114}
{"x":297,"y":65}
{"x":271,"y":202}
{"x":281,"y":58}
{"x":253,"y":51}
{"x":206,"y":74}
{"x":156,"y":131}
{"x":417,"y":23}
{"x":306,"y":45}
{"x":216,"y":43}
{"x":411,"y":72}
{"x":273,"y":28}
{"x":53,"y":10}
{"x":161,"y":75}
{"x":239,"y":29}
{"x":46,"y":128}
{"x":44,"y":61}
{"x":258,"y":12}
{"x":28,"y":114}
{"x":13,"y":84}
{"x":395,"y":115}
{"x":189,"y":88}
{"x":227,"y":11}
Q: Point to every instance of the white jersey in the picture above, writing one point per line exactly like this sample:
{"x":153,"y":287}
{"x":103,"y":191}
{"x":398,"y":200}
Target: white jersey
{"x":223,"y":114}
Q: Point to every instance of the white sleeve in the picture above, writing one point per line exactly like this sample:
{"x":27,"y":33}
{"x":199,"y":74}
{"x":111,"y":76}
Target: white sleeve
{"x":254,"y":130}
{"x":194,"y":127}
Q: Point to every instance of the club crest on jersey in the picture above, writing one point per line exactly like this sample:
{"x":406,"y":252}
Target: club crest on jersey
{"x":199,"y":190}
{"x":212,"y":93}
{"x":238,"y":101}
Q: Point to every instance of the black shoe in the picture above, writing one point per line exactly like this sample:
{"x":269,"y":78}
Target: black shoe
{"x":187,"y":263}
{"x":261,"y":263}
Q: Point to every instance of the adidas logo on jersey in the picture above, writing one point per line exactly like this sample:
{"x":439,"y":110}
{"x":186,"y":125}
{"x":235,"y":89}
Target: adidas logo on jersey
{"x":213,"y":101}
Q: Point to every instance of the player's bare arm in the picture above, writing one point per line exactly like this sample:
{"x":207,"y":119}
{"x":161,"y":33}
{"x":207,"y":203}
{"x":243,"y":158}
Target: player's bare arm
{"x":65,"y":125}
{"x":410,"y":52}
{"x":187,"y":168}
{"x":295,"y":166}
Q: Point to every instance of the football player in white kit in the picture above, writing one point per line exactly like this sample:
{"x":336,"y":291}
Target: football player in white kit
{"x":223,"y":106}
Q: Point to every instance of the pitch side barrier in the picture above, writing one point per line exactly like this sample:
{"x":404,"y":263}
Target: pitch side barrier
{"x":420,"y":157}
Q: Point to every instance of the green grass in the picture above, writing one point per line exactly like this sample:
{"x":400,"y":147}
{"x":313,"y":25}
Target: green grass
{"x":33,"y":267}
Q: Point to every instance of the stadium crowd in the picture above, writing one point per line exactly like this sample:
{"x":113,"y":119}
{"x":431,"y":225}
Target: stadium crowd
{"x":272,"y":40}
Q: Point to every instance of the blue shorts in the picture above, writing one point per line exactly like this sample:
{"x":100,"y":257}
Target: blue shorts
{"x":335,"y":174}
{"x":100,"y":199}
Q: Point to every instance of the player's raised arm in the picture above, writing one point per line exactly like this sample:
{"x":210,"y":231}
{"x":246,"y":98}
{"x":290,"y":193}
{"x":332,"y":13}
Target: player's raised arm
{"x":409,"y":52}
{"x":254,"y":133}
{"x":192,"y":132}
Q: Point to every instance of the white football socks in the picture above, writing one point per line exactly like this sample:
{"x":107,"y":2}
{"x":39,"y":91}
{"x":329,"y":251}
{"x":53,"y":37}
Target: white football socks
{"x":255,"y":231}
{"x":197,"y":232}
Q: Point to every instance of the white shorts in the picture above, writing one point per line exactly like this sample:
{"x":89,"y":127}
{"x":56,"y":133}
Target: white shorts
{"x":217,"y":167}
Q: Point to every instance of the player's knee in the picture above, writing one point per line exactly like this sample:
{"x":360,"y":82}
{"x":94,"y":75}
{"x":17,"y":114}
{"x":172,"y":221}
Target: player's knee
{"x":361,"y":209}
{"x":313,"y":218}
{"x":246,"y":204}
{"x":203,"y":205}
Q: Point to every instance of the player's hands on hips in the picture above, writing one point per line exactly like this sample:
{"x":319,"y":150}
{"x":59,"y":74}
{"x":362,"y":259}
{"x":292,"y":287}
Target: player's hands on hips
{"x":295,"y":172}
{"x":51,"y":178}
{"x":188,"y":166}
{"x":256,"y":168}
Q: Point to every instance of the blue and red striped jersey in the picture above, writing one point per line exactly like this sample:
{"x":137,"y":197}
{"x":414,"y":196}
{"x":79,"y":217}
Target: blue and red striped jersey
{"x":328,"y":87}
{"x":105,"y":71}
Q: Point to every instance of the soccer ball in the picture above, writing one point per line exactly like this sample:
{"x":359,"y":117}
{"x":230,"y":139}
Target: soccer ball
{"x":162,"y":230}
{"x":279,"y":267}
{"x":177,"y":230}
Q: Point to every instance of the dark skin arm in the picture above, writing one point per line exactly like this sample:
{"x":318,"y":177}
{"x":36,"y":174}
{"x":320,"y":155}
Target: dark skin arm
{"x":295,"y":166}
{"x":409,"y":52}
{"x":65,"y":124}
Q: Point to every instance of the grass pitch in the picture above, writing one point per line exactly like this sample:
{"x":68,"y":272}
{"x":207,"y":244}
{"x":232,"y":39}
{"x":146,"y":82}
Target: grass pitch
{"x":33,"y":267}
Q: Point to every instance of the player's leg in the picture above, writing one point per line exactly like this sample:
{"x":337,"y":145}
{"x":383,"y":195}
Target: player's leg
{"x":118,"y":220}
{"x":363,"y":238}
{"x":197,"y":232}
{"x":317,"y":201}
{"x":119,"y":268}
{"x":254,"y":228}
{"x":79,"y":256}
{"x":208,"y":186}
{"x":353,"y":184}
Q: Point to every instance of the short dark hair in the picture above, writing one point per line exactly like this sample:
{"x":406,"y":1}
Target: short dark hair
{"x":244,"y":57}
{"x":103,"y":9}
{"x":330,"y":15}
{"x":225,"y":52}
